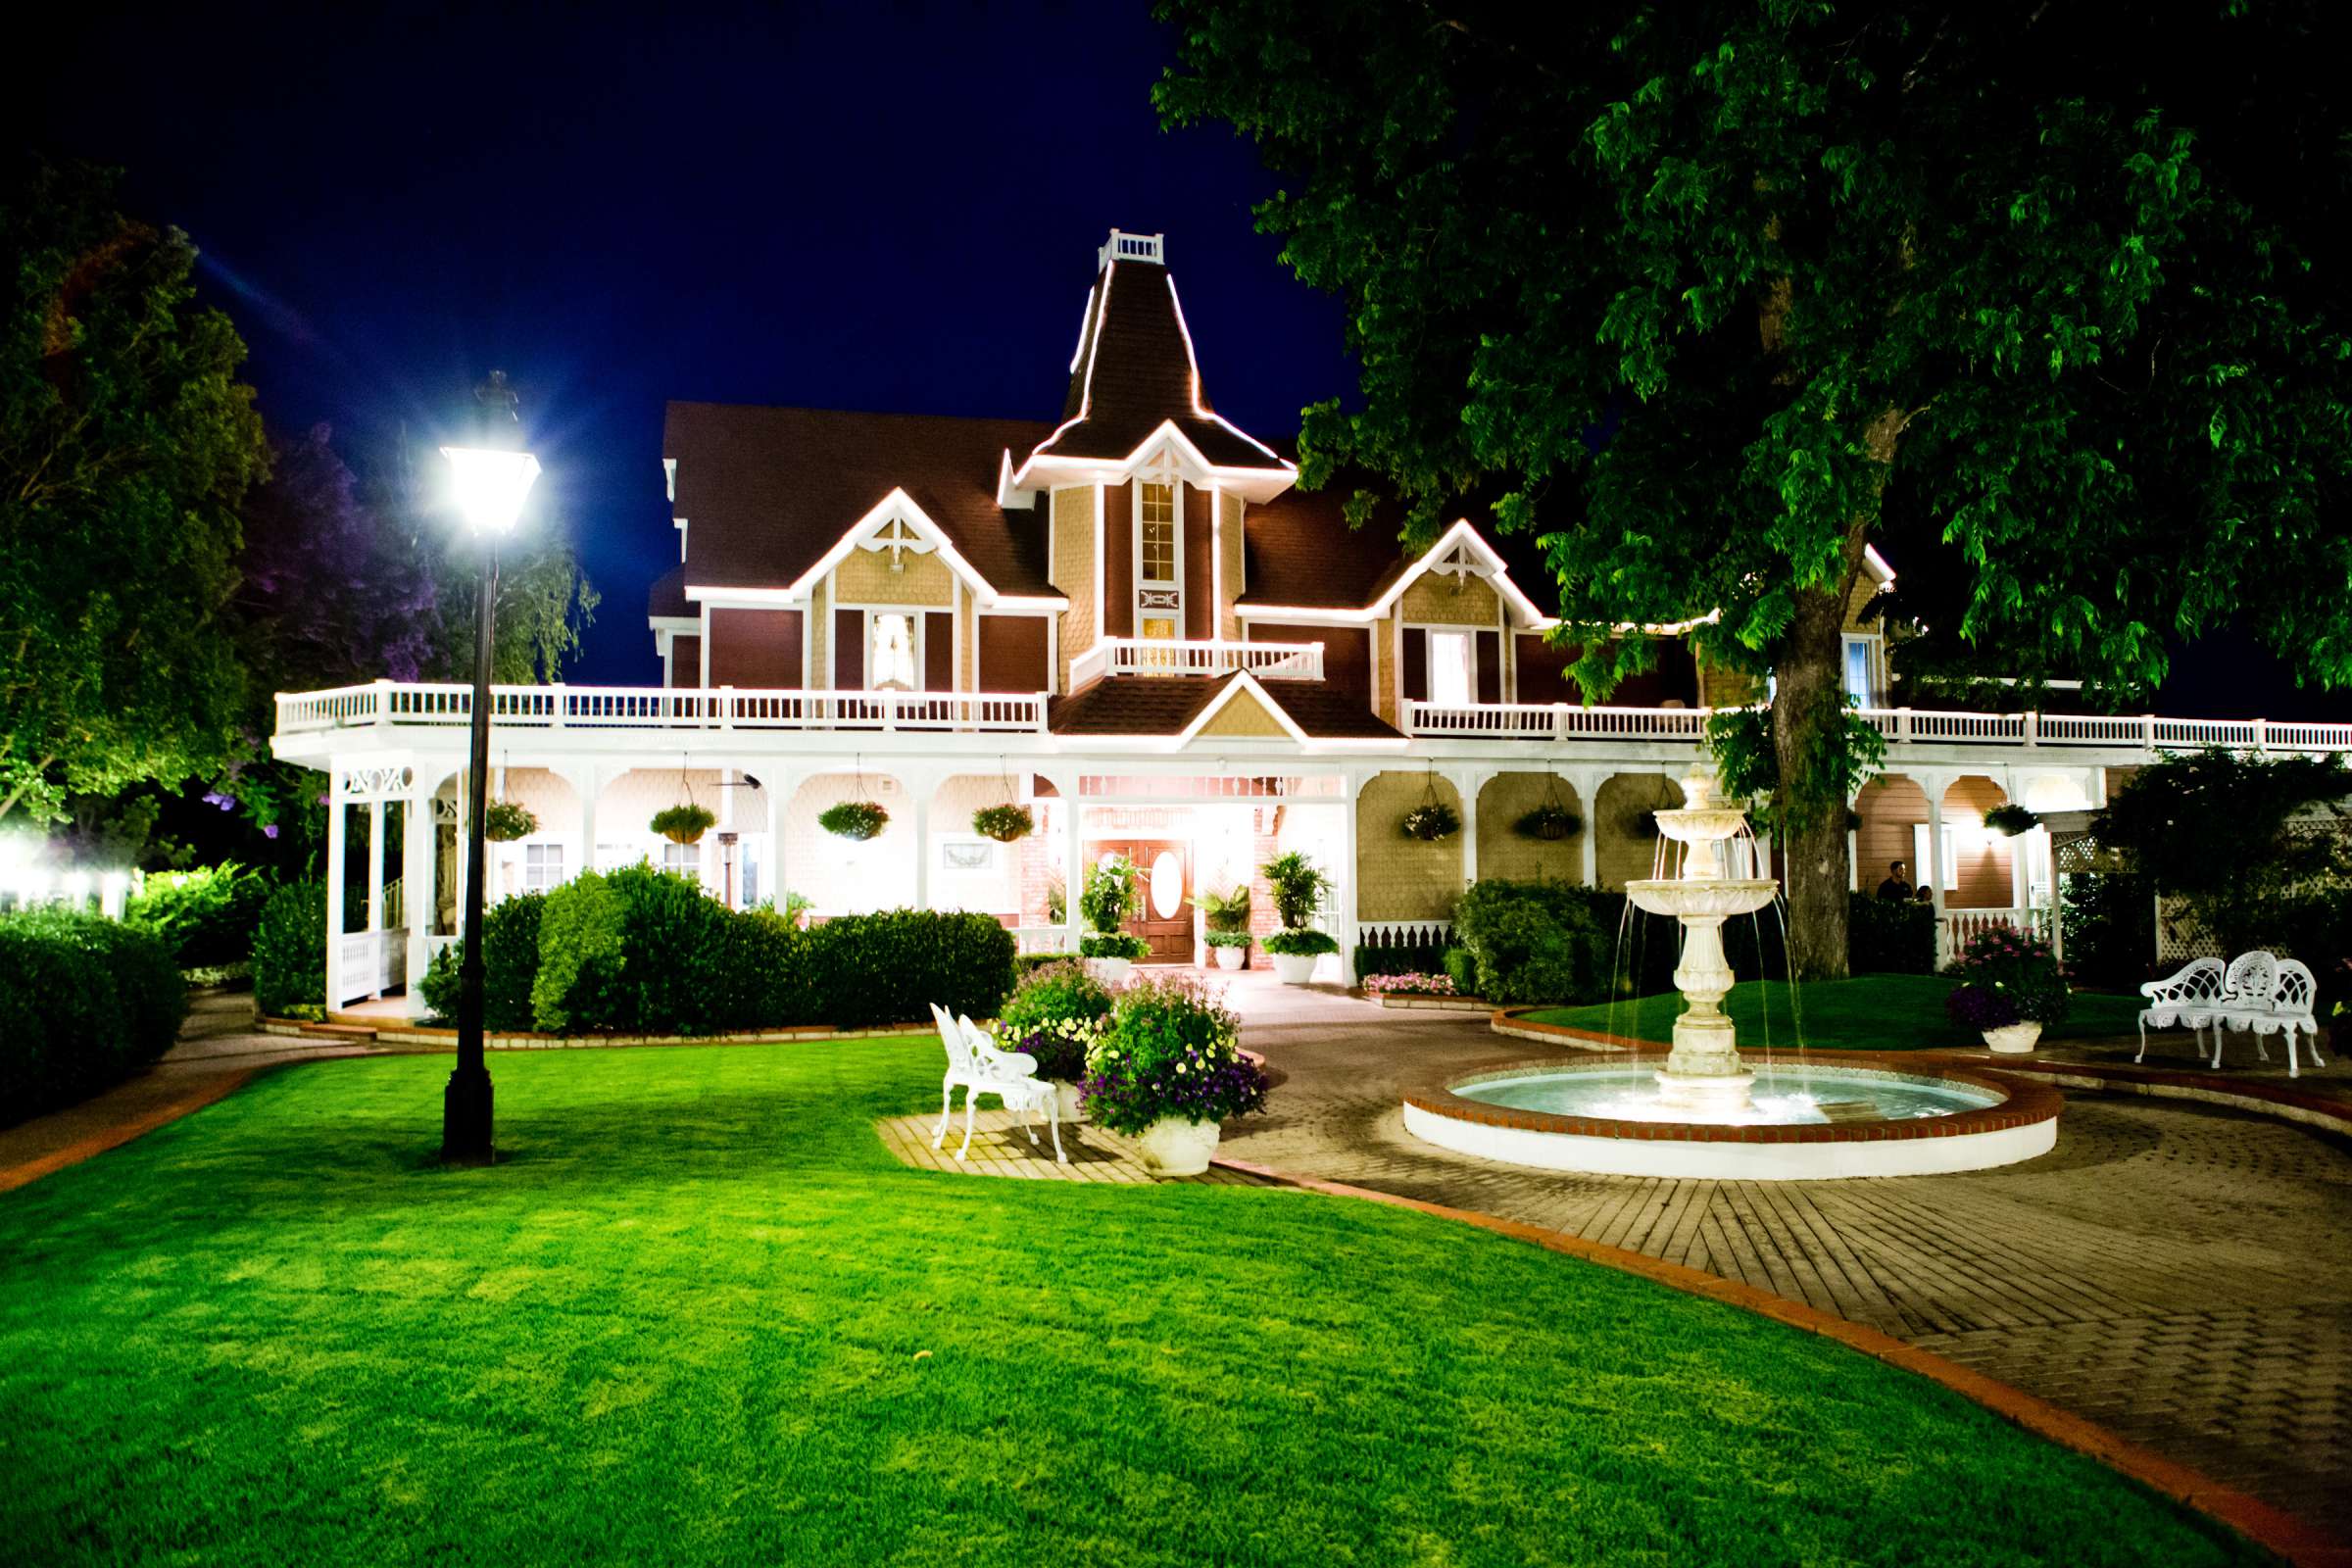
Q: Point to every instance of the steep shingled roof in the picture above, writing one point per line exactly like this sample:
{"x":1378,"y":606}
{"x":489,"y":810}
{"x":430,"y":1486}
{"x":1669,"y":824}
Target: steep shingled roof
{"x":1135,"y":372}
{"x":1163,"y":705}
{"x":766,"y":492}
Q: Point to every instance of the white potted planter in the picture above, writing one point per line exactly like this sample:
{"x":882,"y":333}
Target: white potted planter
{"x":1066,"y":1104}
{"x":1295,"y":968}
{"x":2012,"y":1040}
{"x":1111,"y":971}
{"x":1230,"y":958}
{"x":1175,"y":1146}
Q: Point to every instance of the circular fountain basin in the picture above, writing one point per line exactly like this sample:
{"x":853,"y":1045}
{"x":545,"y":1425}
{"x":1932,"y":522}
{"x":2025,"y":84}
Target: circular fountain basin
{"x":1875,"y":1116}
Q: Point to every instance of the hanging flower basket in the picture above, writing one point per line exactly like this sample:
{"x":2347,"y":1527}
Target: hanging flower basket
{"x":1551,"y":822}
{"x":2009,"y":820}
{"x":684,"y":824}
{"x":1432,"y":821}
{"x":504,"y":821}
{"x":1003,"y":823}
{"x":854,"y":819}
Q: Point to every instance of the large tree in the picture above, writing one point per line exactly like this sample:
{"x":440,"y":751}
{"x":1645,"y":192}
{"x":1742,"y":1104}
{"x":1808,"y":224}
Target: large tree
{"x":1710,"y":297}
{"x":126,"y":444}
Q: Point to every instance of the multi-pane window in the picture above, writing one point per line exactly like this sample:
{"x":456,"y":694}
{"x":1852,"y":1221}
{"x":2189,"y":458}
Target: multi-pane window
{"x":684,"y":859}
{"x":542,"y":866}
{"x":1861,"y":687}
{"x":890,"y":660}
{"x":1449,"y":667}
{"x":1158,"y":558}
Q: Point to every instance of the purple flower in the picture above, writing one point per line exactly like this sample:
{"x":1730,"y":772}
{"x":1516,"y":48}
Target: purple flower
{"x":269,"y":830}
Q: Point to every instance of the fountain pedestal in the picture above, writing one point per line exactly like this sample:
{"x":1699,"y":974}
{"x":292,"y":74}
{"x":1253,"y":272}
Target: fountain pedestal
{"x":1703,"y":1073}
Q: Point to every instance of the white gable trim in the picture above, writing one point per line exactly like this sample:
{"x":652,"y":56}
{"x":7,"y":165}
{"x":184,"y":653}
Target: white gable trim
{"x":1245,"y":681}
{"x":1251,"y":484}
{"x":899,"y":507}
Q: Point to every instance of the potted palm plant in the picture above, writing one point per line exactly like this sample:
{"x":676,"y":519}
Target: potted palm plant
{"x":1110,"y":897}
{"x":1227,"y":918}
{"x":1298,"y":886}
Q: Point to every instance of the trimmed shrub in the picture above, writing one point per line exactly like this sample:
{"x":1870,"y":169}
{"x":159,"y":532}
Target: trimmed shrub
{"x":1300,"y":943}
{"x":868,"y":969}
{"x":1462,"y":969}
{"x":1534,"y":942}
{"x":1430,"y":959}
{"x":84,"y":1003}
{"x":510,"y":955}
{"x":1892,"y":936}
{"x":204,"y":918}
{"x":1056,"y":1015}
{"x":1024,"y":962}
{"x":755,"y":974}
{"x":675,"y":954}
{"x":1112,"y":944}
{"x":289,"y":949}
{"x":580,"y":959}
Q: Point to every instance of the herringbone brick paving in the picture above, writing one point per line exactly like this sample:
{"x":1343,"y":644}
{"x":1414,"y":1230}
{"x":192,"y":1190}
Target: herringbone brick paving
{"x":2181,"y":1274}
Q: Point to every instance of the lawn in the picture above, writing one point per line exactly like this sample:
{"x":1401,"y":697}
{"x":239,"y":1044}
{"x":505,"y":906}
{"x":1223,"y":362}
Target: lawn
{"x":703,"y":1317}
{"x":1871,"y":1012}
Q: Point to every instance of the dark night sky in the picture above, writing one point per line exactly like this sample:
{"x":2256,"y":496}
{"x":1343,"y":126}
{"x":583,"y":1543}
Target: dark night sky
{"x":862,"y":207}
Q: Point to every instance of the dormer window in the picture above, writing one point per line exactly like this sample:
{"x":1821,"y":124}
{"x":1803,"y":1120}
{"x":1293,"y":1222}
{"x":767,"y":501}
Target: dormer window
{"x":891,"y":655}
{"x":1155,"y":557}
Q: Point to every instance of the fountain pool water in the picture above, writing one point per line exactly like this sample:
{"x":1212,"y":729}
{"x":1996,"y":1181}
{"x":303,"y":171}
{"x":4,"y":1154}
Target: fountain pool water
{"x":1706,"y":1110}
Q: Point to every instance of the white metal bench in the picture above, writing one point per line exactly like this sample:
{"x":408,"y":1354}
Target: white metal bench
{"x":2258,"y":992}
{"x":978,"y":1067}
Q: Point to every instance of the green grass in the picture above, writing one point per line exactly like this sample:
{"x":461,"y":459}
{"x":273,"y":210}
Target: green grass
{"x":703,"y":1317}
{"x":1871,"y":1012}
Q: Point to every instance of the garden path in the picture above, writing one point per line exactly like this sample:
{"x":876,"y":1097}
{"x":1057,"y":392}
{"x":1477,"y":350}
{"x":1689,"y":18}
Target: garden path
{"x":2179,"y":1274}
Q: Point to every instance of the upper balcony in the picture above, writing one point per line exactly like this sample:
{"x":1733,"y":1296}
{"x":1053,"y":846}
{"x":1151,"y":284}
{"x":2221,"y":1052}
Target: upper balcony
{"x":1149,"y":655}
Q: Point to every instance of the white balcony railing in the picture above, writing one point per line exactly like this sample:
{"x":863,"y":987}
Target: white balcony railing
{"x":1151,"y":656}
{"x":1958,"y":926}
{"x":558,"y":708}
{"x":1902,"y":725}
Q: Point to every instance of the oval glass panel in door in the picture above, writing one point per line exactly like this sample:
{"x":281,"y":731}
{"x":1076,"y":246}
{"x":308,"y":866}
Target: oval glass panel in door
{"x":1167,"y":884}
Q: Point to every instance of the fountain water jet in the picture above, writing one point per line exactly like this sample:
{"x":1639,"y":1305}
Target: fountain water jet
{"x":1704,"y":1075}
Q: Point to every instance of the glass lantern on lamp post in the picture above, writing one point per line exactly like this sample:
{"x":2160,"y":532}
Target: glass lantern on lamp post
{"x":490,"y":485}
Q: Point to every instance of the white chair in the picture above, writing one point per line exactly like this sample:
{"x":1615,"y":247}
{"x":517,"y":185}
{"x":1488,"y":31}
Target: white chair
{"x":2188,"y":998}
{"x":978,"y":1067}
{"x":2284,"y":1006}
{"x":2246,"y":990}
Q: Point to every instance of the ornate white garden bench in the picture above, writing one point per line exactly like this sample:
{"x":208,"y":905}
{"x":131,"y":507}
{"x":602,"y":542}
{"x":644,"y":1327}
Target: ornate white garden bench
{"x":978,"y":1067}
{"x":2258,"y":992}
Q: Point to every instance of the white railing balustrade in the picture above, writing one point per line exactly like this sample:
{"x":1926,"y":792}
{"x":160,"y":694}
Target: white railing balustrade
{"x":1404,"y":933}
{"x":1959,"y":928}
{"x":558,"y":708}
{"x":1157,"y":656}
{"x":1551,"y":721}
{"x":1041,"y":939}
{"x":373,"y":962}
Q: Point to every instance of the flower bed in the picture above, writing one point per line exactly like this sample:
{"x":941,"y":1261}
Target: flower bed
{"x":1170,"y":1053}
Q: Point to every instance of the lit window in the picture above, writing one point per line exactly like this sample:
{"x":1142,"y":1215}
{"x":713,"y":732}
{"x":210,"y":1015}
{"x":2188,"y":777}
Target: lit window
{"x":890,"y":659}
{"x":1450,"y":675}
{"x":1158,"y":562}
{"x":1919,"y":857}
{"x":542,"y":866}
{"x":684,"y":859}
{"x":1859,"y":687}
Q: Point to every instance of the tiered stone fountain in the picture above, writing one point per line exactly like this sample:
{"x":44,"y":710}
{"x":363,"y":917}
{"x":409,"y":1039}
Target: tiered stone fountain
{"x":1705,"y":1110}
{"x":1703,"y":1073}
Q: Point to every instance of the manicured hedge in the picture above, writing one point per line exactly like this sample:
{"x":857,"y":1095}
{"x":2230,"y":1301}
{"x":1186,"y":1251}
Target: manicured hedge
{"x":204,"y":918}
{"x":1889,"y":936}
{"x":643,"y":951}
{"x":289,"y":949}
{"x":84,"y":1003}
{"x":1534,"y":942}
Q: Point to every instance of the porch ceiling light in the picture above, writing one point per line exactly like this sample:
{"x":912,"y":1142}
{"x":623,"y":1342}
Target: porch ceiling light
{"x":490,"y":486}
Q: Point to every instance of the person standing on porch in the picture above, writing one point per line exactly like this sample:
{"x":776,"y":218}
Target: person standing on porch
{"x":1897,"y":885}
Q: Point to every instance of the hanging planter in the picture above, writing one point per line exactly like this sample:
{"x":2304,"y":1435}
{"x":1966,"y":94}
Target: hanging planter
{"x":1003,"y":823}
{"x":854,"y":819}
{"x":2009,"y":820}
{"x":504,"y":821}
{"x":1551,"y":821}
{"x":1431,"y":820}
{"x":684,"y":824}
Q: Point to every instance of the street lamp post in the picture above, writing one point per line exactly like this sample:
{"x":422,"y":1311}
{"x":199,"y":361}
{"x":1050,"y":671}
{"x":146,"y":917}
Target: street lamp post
{"x":490,"y":485}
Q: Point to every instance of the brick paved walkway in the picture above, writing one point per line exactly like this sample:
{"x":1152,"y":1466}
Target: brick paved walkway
{"x":2181,"y":1274}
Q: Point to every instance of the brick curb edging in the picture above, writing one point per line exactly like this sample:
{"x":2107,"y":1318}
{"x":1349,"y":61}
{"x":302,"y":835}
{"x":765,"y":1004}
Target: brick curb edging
{"x":211,"y":1087}
{"x":2292,"y":1538}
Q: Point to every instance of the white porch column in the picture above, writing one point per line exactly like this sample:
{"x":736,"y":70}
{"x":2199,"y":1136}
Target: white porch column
{"x":416,"y":891}
{"x":922,"y":786}
{"x":589,"y":781}
{"x":779,"y":786}
{"x":1853,"y":843}
{"x":1933,"y":785}
{"x":376,"y":896}
{"x":1466,"y":782}
{"x":1073,"y":854}
{"x":1587,"y":782}
{"x":334,"y":887}
{"x":1352,"y":784}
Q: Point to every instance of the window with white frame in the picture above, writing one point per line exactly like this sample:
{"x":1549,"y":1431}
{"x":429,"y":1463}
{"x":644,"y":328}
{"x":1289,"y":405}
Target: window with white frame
{"x":1156,"y":558}
{"x":1451,"y":676}
{"x":892,"y":661}
{"x":683,"y":859}
{"x":1862,"y":671}
{"x":542,"y":866}
{"x":1921,"y":866}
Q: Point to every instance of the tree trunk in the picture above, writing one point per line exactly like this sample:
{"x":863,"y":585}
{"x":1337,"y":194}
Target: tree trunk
{"x":1808,"y":716}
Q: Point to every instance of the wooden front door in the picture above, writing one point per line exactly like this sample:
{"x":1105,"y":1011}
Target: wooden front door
{"x":1165,"y":878}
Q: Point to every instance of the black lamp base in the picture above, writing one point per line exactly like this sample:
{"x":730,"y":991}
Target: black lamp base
{"x":465,"y":1119}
